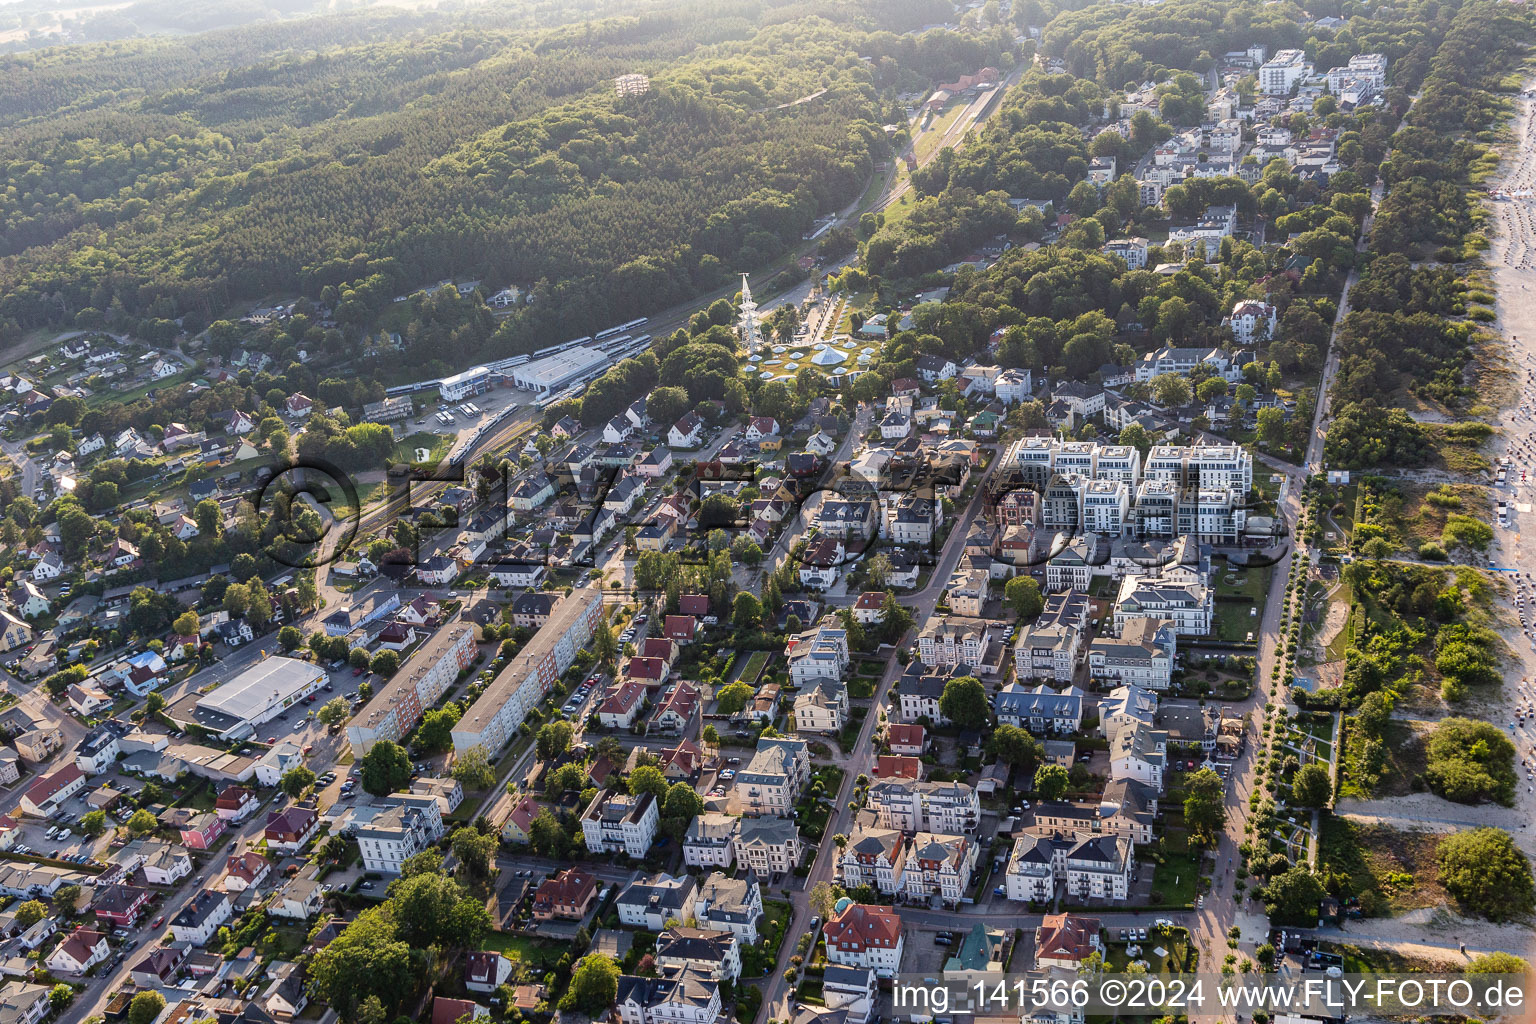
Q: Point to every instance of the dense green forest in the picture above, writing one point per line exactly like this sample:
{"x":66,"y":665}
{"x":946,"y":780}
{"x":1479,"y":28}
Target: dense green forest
{"x":1399,"y":339}
{"x":358,"y":157}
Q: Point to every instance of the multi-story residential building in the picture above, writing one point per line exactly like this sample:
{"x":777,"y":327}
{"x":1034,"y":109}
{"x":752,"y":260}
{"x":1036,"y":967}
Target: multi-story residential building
{"x":1142,"y":655}
{"x":494,"y":717}
{"x":1061,"y":502}
{"x":859,"y":935}
{"x":716,"y":953}
{"x":100,"y":747}
{"x":1204,"y":466}
{"x":1100,"y":867}
{"x":47,"y":795}
{"x":1050,"y":651}
{"x":1106,"y":507}
{"x":1206,"y":233}
{"x":1041,"y":710}
{"x":1140,"y":752}
{"x":1132,"y":250}
{"x":1087,"y":865}
{"x":773,"y":780}
{"x":1252,"y":321}
{"x":1076,"y":558}
{"x":914,"y":520}
{"x":1127,"y":808}
{"x":848,"y":518}
{"x":919,"y":697}
{"x":674,"y":996}
{"x":1279,"y":75}
{"x":1366,"y":69}
{"x":1156,"y":513}
{"x":1211,"y":514}
{"x":1175,"y":359}
{"x":613,"y":823}
{"x":1066,"y":941}
{"x":1187,"y":605}
{"x":874,"y":857}
{"x":732,"y":904}
{"x":770,"y":847}
{"x":948,"y":641}
{"x":711,"y":840}
{"x":1126,"y":704}
{"x":952,"y":808}
{"x":566,"y":895}
{"x":650,"y":903}
{"x":397,"y":834}
{"x":397,"y":706}
{"x":1013,"y":386}
{"x":200,"y":918}
{"x":821,"y":706}
{"x":820,"y":653}
{"x":968,"y":592}
{"x":938,"y":865}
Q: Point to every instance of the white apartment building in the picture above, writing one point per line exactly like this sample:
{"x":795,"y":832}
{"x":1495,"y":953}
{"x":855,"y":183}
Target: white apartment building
{"x":398,"y":834}
{"x":1213,"y":466}
{"x":1188,"y":605}
{"x":950,"y":641}
{"x":1014,"y":385}
{"x":620,"y":824}
{"x":1089,"y":865}
{"x":685,"y":995}
{"x":1138,"y":751}
{"x":951,"y":808}
{"x":1364,"y":69}
{"x":1132,"y":250}
{"x":818,"y":654}
{"x":1106,"y":507}
{"x":859,"y":935}
{"x":1281,"y":72}
{"x":1142,"y":656}
{"x":711,"y":840}
{"x":773,"y":780}
{"x":1253,"y":321}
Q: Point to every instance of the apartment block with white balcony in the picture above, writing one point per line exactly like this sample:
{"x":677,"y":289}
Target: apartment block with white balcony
{"x":613,"y":823}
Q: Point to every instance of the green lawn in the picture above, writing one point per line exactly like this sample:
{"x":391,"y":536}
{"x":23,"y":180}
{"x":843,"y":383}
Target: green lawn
{"x":1174,"y":881}
{"x":1245,"y":591}
{"x":760,"y":959}
{"x":530,"y":950}
{"x":437,"y":444}
{"x":754,"y":667}
{"x":1176,"y":944}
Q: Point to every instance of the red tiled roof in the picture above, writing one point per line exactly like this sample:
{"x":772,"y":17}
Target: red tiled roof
{"x":622,"y":700}
{"x":657,"y":647}
{"x":1065,"y":936}
{"x":645,"y":668}
{"x":861,"y":925}
{"x":446,"y":1011}
{"x":894,"y":766}
{"x":44,"y":788}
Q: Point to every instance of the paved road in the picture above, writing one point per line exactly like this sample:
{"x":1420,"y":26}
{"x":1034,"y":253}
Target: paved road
{"x":27,"y":467}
